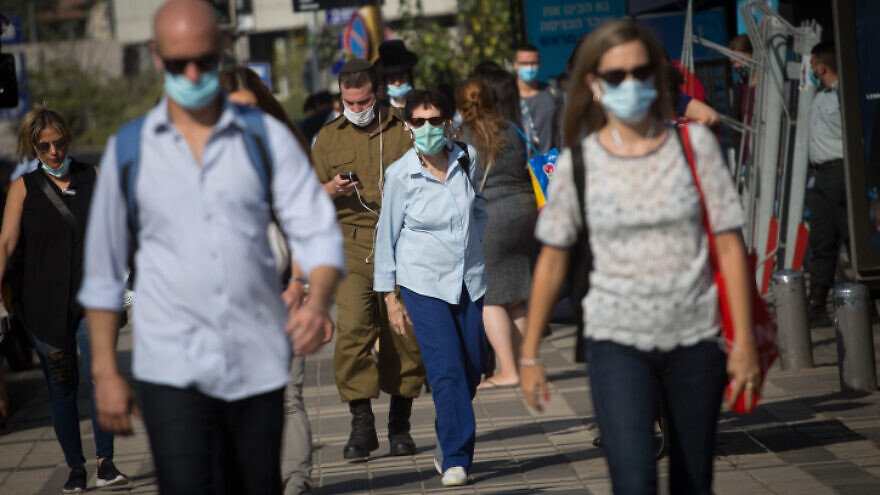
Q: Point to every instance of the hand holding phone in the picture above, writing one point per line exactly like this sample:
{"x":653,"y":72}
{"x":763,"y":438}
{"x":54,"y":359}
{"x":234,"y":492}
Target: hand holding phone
{"x":350,"y":176}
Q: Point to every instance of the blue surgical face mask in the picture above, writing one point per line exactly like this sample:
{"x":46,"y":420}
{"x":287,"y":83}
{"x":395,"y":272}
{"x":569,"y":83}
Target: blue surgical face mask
{"x":813,"y":79}
{"x":630,"y":100}
{"x":429,"y":139}
{"x":528,"y":73}
{"x":59,"y":172}
{"x":192,"y":95}
{"x":398,"y":92}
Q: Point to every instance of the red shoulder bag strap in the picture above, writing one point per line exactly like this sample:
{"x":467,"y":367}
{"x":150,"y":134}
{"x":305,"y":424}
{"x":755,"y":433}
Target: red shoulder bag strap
{"x":685,"y":140}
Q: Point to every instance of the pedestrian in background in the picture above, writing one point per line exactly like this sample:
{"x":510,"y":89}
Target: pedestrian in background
{"x":826,"y":187}
{"x":212,"y":337}
{"x":46,"y":213}
{"x":395,"y":65}
{"x":651,"y":314}
{"x":508,"y":242}
{"x":428,"y":243}
{"x":244,"y":87}
{"x":540,"y":104}
{"x":351,"y":154}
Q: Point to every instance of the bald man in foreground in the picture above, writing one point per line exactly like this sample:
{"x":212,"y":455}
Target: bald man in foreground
{"x":212,"y":337}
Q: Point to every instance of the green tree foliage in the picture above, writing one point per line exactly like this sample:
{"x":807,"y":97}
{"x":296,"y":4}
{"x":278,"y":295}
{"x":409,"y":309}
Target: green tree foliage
{"x":483,"y":30}
{"x":95,"y":108}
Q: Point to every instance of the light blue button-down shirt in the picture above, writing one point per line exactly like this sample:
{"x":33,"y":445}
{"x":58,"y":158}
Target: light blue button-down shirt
{"x":208,"y":312}
{"x":428,"y":236}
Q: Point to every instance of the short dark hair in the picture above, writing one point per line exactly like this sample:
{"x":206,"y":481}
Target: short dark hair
{"x":825,"y":54}
{"x":427,"y":97}
{"x":526,"y":47}
{"x":359,"y":79}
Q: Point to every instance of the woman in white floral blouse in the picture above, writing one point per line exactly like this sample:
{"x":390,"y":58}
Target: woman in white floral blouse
{"x":651,"y":315}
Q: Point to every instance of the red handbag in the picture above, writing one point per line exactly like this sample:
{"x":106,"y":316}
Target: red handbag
{"x":763,"y":324}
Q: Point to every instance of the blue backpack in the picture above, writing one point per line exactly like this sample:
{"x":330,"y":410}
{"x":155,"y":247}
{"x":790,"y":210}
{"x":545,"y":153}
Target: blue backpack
{"x":128,"y":149}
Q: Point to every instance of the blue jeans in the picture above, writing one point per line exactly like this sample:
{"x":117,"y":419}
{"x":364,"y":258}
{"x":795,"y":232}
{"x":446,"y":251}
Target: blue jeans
{"x":452,"y":341}
{"x":63,"y":397}
{"x":625,"y":382}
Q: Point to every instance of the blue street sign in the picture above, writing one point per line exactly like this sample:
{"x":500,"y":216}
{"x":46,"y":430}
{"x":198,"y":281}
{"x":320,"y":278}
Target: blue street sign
{"x":554,"y":26}
{"x":13,"y":33}
{"x":355,"y":38}
{"x":340,"y":17}
{"x":264,"y":70}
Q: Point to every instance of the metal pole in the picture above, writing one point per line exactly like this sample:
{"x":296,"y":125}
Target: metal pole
{"x":372,"y":15}
{"x":790,"y":294}
{"x":855,"y":343}
{"x":810,"y":35}
{"x":313,"y":52}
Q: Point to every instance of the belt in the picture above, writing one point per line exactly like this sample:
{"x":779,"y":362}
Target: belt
{"x":828,"y":164}
{"x":358,"y":233}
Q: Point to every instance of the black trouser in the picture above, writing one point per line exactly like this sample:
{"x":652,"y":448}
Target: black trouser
{"x":203,"y":445}
{"x":826,"y":202}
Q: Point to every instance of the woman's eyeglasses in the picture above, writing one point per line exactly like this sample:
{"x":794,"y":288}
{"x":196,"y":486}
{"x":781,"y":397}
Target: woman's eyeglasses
{"x":205,"y":63}
{"x":45,"y":146}
{"x":615,"y":77}
{"x":418,"y":121}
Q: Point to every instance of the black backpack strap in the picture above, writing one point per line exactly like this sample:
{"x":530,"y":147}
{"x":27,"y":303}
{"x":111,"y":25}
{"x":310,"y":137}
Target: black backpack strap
{"x":465,"y":161}
{"x":580,"y":179}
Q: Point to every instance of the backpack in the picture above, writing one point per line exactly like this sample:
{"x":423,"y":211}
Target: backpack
{"x":581,"y":258}
{"x":128,"y":147}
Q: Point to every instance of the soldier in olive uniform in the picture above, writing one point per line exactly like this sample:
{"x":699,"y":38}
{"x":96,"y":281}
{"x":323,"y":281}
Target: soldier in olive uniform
{"x":350,"y":155}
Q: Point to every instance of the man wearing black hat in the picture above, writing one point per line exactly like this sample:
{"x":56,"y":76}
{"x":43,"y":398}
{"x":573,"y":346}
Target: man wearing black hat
{"x":350,"y":156}
{"x":395,"y":66}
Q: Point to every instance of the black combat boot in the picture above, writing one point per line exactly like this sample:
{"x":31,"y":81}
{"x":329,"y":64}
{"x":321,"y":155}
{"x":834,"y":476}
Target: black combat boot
{"x":398,"y":426}
{"x":363,"y":439}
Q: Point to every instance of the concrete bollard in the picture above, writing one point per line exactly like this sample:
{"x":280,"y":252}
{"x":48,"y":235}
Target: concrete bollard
{"x":790,"y":294}
{"x":855,"y":344}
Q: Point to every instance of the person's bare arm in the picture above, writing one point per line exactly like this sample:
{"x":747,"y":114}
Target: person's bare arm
{"x":550,"y":270}
{"x":11,"y":230}
{"x":701,"y":113}
{"x":742,"y":360}
{"x":310,"y":326}
{"x":114,"y":400}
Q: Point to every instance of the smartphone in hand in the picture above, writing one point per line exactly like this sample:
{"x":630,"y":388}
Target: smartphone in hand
{"x":350,"y":176}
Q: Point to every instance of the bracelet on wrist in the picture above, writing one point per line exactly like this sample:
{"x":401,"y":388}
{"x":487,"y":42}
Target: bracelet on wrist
{"x":529,"y":362}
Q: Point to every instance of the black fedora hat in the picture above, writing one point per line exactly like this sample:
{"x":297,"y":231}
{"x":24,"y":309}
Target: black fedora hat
{"x":394,"y":57}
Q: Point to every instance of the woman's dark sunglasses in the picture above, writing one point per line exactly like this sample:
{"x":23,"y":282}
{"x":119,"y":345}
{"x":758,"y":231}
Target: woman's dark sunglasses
{"x":205,"y":63}
{"x":45,"y":146}
{"x":615,"y":77}
{"x":418,"y":121}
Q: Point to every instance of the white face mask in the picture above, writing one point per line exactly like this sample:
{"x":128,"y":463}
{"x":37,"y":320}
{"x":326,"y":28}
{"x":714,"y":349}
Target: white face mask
{"x":362,"y":118}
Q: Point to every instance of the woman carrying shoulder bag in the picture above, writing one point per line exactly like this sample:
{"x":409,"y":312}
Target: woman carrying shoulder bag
{"x":651,"y":315}
{"x":46,"y":212}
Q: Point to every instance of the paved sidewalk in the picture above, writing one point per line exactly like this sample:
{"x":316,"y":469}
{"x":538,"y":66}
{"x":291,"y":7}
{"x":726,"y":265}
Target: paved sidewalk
{"x":806,"y":438}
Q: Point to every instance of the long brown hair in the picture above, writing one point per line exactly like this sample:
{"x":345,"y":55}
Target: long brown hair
{"x":237,"y":78}
{"x":33,"y":124}
{"x":476,"y":104}
{"x":583,"y":113}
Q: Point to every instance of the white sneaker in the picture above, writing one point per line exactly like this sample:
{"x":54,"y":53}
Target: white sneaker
{"x":454,"y":476}
{"x":438,"y":459}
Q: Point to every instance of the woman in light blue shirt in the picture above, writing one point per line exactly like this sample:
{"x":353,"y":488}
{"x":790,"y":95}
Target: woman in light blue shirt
{"x":428,"y":243}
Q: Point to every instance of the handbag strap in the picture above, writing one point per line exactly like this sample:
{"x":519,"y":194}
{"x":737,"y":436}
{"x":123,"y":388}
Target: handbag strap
{"x":59,"y":205}
{"x":685,"y":141}
{"x":527,"y":140}
{"x":580,"y":181}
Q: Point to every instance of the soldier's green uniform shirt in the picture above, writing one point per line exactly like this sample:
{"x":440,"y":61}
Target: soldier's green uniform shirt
{"x":342,"y":147}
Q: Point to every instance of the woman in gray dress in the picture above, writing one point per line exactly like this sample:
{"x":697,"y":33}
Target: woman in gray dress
{"x":508,"y":241}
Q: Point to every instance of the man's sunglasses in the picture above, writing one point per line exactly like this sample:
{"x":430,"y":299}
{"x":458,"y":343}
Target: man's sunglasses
{"x":419,"y":121}
{"x":45,"y":146}
{"x":615,"y":77}
{"x":205,"y":63}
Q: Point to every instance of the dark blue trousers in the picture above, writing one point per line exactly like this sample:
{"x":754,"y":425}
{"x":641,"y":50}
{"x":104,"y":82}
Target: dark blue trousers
{"x":63,"y":398}
{"x":452,"y":341}
{"x":625,"y":382}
